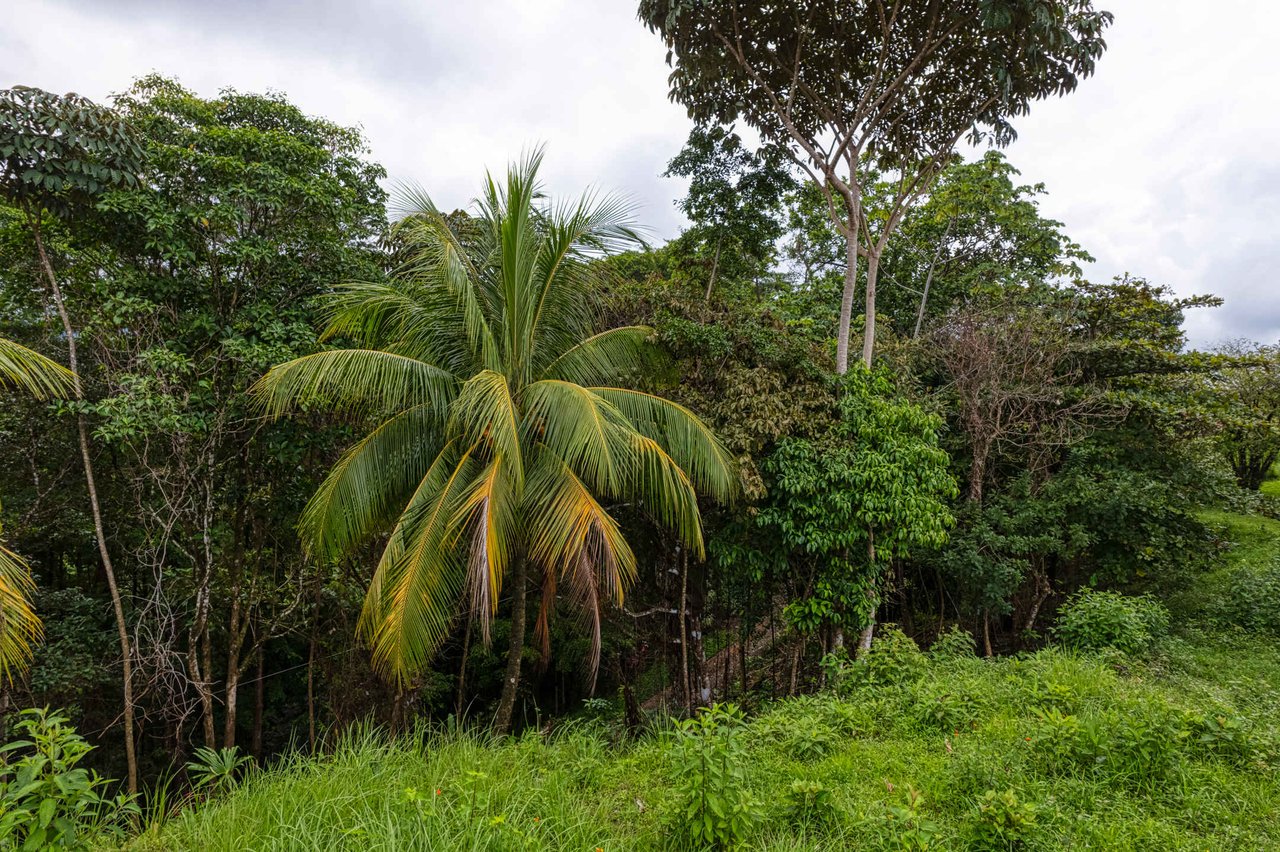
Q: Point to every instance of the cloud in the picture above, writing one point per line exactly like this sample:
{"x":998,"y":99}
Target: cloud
{"x":1161,"y":165}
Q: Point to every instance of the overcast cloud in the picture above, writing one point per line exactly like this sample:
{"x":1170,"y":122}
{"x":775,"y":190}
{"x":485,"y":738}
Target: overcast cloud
{"x":1163,"y":165}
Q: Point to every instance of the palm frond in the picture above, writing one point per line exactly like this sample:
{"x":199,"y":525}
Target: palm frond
{"x":490,"y":510}
{"x":607,"y":356}
{"x":354,"y":381}
{"x":413,"y":596}
{"x":484,"y":412}
{"x":367,"y":488}
{"x":33,"y":372}
{"x":683,"y":436}
{"x":666,"y":492}
{"x":20,"y":627}
{"x":587,"y":432}
{"x":563,"y":281}
{"x":570,"y":533}
{"x":437,"y":256}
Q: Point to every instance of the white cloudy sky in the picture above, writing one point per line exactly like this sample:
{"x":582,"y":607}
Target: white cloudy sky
{"x":1163,"y":165}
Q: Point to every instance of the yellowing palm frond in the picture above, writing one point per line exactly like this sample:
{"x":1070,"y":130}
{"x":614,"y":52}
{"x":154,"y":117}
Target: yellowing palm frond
{"x":29,"y":370}
{"x":20,"y":627}
{"x":413,"y":596}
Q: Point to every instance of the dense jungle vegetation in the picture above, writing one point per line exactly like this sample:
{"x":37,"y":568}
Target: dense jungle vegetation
{"x":855,"y":516}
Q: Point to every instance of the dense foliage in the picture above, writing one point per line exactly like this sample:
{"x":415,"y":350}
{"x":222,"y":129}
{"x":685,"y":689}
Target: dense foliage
{"x":281,"y":465}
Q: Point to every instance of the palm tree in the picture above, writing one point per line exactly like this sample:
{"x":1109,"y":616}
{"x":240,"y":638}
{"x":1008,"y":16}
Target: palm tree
{"x":503,"y":425}
{"x":20,"y":627}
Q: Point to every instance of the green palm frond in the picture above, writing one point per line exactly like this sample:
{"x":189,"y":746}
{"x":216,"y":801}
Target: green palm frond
{"x":20,"y":627}
{"x":355,"y":381}
{"x":29,"y":370}
{"x":592,"y":436}
{"x":438,"y":257}
{"x":606,"y":357}
{"x":368,"y":487}
{"x":666,"y":492}
{"x":684,"y":437}
{"x":484,"y":412}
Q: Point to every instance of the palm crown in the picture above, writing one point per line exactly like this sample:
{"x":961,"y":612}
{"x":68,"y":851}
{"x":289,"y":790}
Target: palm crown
{"x":502,"y":427}
{"x":19,"y":626}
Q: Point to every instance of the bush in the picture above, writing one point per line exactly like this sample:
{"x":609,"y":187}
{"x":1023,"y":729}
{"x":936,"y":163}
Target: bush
{"x":1093,"y":620}
{"x":715,"y":810}
{"x":1003,"y":821}
{"x":46,"y":800}
{"x":955,"y":644}
{"x":1253,"y":600}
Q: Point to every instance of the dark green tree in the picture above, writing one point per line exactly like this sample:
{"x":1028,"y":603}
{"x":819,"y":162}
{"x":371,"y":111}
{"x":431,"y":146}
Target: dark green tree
{"x":58,"y":155}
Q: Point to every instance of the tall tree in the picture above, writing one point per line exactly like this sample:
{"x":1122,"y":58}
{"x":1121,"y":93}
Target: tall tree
{"x":501,"y":425}
{"x":734,"y":203}
{"x":893,"y":84}
{"x":1245,"y":395}
{"x":58,"y":155}
{"x":249,"y":211}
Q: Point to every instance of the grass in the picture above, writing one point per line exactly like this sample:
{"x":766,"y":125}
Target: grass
{"x":1175,"y":750}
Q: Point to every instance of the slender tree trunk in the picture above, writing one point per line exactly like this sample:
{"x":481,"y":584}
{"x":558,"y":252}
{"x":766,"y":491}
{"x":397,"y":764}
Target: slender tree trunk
{"x":462,"y":672}
{"x":850,"y":290}
{"x":684,"y":632}
{"x":869,"y":329}
{"x":122,"y":630}
{"x":229,"y":720}
{"x":986,"y":633}
{"x":311,"y":693}
{"x":511,"y":682}
{"x":869,"y":632}
{"x":928,"y":279}
{"x":259,"y":701}
{"x":715,"y":267}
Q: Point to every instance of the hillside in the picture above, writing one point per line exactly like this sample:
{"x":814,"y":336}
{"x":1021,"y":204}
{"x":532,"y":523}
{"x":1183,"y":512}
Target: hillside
{"x":1172,"y":748}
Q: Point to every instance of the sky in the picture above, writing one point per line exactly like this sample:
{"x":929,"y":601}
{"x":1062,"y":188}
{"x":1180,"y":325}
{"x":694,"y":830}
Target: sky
{"x":1162,"y":165}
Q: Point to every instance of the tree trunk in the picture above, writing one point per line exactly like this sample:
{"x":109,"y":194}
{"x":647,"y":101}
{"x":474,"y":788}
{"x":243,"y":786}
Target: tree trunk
{"x":986,"y":633}
{"x":259,"y":700}
{"x":869,"y":328}
{"x":511,"y":682}
{"x":311,"y":693}
{"x":462,"y":671}
{"x":684,"y":632}
{"x":928,"y":279}
{"x":850,"y":290}
{"x":869,"y":632}
{"x":715,"y":267}
{"x":91,"y":485}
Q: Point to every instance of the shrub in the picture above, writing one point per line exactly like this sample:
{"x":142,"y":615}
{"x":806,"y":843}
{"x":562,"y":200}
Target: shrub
{"x":1253,"y":599}
{"x":1003,"y":821}
{"x":46,"y":800}
{"x":809,"y":805}
{"x":894,"y":659}
{"x":955,"y":644}
{"x":715,"y":810}
{"x":215,"y":770}
{"x":1093,"y":620}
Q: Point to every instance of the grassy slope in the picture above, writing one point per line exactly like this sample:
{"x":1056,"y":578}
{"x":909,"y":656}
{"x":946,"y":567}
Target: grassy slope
{"x":965,"y":727}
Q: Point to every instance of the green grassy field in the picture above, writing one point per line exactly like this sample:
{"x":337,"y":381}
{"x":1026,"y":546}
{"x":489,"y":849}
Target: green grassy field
{"x":1172,"y":750}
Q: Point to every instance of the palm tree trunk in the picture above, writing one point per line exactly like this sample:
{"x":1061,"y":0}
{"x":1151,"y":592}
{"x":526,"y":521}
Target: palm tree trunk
{"x":515,"y":650}
{"x":91,"y":484}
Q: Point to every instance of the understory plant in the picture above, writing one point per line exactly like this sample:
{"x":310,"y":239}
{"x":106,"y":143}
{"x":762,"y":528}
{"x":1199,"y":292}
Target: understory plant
{"x":48,"y":801}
